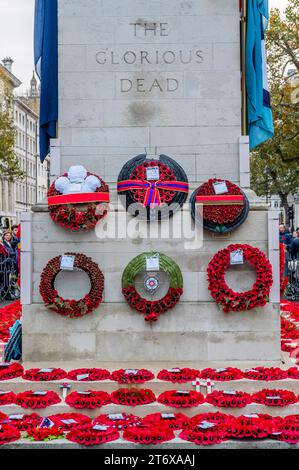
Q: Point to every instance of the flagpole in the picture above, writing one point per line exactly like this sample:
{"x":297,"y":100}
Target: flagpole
{"x":243,"y":58}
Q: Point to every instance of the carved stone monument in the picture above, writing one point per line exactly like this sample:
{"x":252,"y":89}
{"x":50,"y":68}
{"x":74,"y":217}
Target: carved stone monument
{"x":161,"y":77}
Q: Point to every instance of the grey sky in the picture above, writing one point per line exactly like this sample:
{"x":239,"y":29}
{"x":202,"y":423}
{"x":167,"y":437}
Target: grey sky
{"x":16,"y":35}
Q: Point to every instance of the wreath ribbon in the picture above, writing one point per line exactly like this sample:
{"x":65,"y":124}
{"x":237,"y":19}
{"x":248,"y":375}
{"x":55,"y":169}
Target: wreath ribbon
{"x":79,"y":198}
{"x":152,"y":195}
{"x":219,"y":200}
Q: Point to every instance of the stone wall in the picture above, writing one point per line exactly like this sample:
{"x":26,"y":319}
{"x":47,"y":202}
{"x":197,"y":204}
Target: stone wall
{"x":111,"y":110}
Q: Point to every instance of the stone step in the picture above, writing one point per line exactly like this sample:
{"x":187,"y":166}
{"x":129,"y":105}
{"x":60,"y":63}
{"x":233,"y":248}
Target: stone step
{"x":154,"y":408}
{"x":175,"y":444}
{"x":157,"y":386}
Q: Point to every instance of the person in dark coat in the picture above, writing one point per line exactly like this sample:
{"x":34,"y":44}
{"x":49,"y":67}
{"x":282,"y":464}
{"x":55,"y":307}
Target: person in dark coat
{"x":294,"y":248}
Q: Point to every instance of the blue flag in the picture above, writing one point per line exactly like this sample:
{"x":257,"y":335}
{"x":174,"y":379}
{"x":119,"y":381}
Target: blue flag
{"x":46,"y":64}
{"x":259,"y":114}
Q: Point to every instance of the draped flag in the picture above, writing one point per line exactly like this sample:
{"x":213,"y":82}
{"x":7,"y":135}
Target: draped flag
{"x":46,"y":64}
{"x":260,"y":120}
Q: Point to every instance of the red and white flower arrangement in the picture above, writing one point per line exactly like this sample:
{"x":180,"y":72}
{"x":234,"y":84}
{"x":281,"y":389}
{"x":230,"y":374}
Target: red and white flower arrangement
{"x":173,"y":421}
{"x":266,"y":373}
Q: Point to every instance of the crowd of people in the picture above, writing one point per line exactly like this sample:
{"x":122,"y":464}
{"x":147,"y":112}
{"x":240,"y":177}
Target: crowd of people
{"x":9,"y":262}
{"x":290,"y":239}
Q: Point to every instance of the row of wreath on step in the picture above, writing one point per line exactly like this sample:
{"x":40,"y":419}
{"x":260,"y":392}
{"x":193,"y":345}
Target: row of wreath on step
{"x":152,"y":189}
{"x":9,"y":371}
{"x":92,"y":399}
{"x":202,"y":429}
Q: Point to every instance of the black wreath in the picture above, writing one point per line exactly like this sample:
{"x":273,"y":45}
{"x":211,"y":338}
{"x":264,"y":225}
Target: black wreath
{"x":162,"y":212}
{"x":213,"y":227}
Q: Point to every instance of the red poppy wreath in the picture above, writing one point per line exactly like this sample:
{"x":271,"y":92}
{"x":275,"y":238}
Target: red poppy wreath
{"x":178,"y":375}
{"x":67,"y":307}
{"x":152,"y":308}
{"x":8,"y":434}
{"x":119,"y":421}
{"x":70,"y":192}
{"x":181,"y":399}
{"x":133,"y":396}
{"x":228,"y":399}
{"x":91,"y":435}
{"x":205,"y":433}
{"x":132,"y":376}
{"x":10,"y":371}
{"x":88,"y":399}
{"x":88,"y":375}
{"x":229,"y":300}
{"x":44,"y":375}
{"x":148,"y":434}
{"x":37,"y":399}
{"x":219,"y":206}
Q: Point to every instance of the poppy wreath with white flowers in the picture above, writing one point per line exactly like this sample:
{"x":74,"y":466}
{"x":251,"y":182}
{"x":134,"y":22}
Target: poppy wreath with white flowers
{"x":67,"y":307}
{"x":205,"y":437}
{"x":152,"y":308}
{"x":225,"y":297}
{"x":68,"y":215}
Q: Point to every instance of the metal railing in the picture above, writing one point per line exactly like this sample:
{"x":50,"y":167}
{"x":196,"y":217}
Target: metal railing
{"x":292,"y":291}
{"x":9,"y":289}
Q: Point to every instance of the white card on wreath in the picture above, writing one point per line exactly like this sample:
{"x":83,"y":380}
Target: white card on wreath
{"x":152,"y":173}
{"x":116,"y":417}
{"x":206,"y":425}
{"x":45,"y":371}
{"x":153,"y":263}
{"x":82,"y":376}
{"x":220,"y":187}
{"x":98,"y":427}
{"x":16,"y":417}
{"x":236,"y":257}
{"x":131,"y":371}
{"x":67,"y":262}
{"x":167,"y":416}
